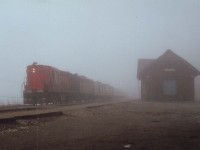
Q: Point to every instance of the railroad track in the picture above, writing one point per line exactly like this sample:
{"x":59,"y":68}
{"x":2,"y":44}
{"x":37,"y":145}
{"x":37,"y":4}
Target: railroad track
{"x":15,"y":108}
{"x":23,"y":112}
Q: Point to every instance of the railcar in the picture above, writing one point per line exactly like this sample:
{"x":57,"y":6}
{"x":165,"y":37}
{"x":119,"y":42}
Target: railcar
{"x":46,"y":84}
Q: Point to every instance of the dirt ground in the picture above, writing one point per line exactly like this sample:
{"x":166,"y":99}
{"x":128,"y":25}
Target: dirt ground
{"x":116,"y":126}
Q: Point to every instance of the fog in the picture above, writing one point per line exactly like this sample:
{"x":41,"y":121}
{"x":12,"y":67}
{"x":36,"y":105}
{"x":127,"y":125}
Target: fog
{"x":100,"y":39}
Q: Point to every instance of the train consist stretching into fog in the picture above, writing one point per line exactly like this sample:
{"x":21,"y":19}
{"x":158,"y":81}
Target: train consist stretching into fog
{"x":46,"y":84}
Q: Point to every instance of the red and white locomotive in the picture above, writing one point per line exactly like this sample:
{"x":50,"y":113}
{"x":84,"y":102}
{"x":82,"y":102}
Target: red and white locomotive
{"x":46,"y":84}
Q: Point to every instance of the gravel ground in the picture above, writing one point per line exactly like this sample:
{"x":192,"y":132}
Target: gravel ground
{"x":112,"y":126}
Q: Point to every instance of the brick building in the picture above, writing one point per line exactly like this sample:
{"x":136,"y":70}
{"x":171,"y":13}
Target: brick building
{"x":168,"y":77}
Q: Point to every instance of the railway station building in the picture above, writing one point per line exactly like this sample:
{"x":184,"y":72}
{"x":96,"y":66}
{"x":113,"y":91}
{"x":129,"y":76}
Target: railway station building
{"x":169,"y":77}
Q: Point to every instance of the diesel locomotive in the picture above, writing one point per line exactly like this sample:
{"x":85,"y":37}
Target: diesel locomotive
{"x":46,"y":84}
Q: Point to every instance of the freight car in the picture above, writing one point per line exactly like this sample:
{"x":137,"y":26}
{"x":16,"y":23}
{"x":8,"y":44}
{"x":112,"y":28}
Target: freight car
{"x":46,"y":84}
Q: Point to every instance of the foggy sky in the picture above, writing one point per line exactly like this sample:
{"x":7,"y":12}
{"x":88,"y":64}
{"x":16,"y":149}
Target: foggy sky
{"x":101,"y":39}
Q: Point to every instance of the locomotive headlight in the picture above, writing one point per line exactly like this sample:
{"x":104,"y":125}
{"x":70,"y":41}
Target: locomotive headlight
{"x":33,"y":70}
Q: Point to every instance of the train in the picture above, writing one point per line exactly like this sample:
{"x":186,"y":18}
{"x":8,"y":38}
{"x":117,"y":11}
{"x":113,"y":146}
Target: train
{"x":46,"y":84}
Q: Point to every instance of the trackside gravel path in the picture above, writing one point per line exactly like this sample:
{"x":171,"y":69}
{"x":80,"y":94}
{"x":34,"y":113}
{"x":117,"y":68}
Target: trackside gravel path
{"x":109,"y":126}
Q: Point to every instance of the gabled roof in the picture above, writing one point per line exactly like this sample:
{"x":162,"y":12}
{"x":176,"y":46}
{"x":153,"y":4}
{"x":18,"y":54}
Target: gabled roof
{"x":168,"y":56}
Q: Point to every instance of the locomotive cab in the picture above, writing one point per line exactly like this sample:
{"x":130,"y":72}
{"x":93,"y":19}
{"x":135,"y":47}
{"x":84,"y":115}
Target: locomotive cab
{"x":37,"y":83}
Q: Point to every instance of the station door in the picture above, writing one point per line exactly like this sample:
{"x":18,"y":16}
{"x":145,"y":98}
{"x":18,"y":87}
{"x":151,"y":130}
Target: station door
{"x":170,"y":87}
